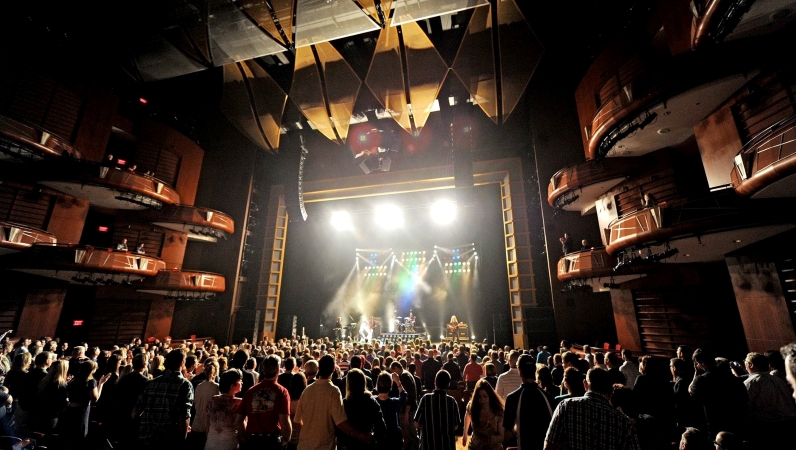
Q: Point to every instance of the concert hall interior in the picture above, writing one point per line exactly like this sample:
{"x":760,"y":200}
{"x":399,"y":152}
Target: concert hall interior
{"x":177,"y":168}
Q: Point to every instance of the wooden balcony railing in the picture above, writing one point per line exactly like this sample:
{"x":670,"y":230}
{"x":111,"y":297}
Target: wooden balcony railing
{"x":717,"y":19}
{"x":16,"y":236}
{"x":184,"y":281}
{"x":91,"y":259}
{"x":20,"y":140}
{"x":768,"y":158}
{"x":132,"y":187}
{"x":722,"y":210}
{"x":588,"y":173}
{"x":204,"y":222}
{"x":594,"y":263}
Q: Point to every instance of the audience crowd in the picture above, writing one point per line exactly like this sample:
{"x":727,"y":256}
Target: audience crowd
{"x":324,"y":394}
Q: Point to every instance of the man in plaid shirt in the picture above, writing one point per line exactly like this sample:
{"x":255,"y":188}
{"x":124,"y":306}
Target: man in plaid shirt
{"x":590,"y":422}
{"x":164,"y":408}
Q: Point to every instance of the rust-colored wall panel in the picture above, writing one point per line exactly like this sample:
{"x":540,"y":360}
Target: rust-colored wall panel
{"x":761,"y":302}
{"x":676,"y":18}
{"x":173,"y":251}
{"x":41,"y":312}
{"x":190,"y":153}
{"x":68,"y":218}
{"x":95,"y":126}
{"x":625,"y":319}
{"x":719,"y":142}
{"x":161,"y":313}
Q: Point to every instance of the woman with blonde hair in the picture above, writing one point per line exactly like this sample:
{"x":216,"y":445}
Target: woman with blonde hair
{"x":485,"y":414}
{"x":53,"y":398}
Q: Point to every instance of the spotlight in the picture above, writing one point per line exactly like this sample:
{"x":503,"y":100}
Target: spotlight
{"x":443,"y":212}
{"x":341,"y":221}
{"x":389,"y":217}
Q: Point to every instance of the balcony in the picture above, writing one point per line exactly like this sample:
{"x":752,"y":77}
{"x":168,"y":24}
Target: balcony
{"x":696,"y":230}
{"x":201,"y":224}
{"x":20,"y":142}
{"x":654,"y":101}
{"x":577,"y":187}
{"x":184,"y":285}
{"x":15,"y":237}
{"x":111,"y":187}
{"x":595,"y":268}
{"x":720,"y":19}
{"x":766,"y":167}
{"x":86,"y":264}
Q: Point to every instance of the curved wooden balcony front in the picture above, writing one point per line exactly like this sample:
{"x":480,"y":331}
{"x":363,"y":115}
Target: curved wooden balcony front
{"x":199,"y":223}
{"x":24,"y":142}
{"x":594,"y":263}
{"x":89,"y":259}
{"x":175,"y":283}
{"x":673,"y":93}
{"x":14,"y":236}
{"x":112,"y":187}
{"x":767,"y":167}
{"x":721,"y":213}
{"x":589,"y":179}
{"x":712,"y":24}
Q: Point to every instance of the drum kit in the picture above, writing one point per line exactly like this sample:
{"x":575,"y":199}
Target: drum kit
{"x":404,"y":325}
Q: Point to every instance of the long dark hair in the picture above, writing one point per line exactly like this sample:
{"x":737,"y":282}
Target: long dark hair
{"x":495,"y":402}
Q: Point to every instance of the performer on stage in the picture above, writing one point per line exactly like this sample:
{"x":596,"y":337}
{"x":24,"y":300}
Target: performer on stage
{"x":338,"y":329}
{"x":453,"y":323}
{"x":366,"y":329}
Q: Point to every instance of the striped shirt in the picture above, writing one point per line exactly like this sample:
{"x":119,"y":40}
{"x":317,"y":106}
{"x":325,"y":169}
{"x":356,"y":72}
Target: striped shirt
{"x":508,"y":382}
{"x":438,"y":417}
{"x":590,"y":422}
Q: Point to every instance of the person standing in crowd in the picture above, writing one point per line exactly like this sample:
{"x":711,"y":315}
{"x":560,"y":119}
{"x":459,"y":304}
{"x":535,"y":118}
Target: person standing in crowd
{"x":222,"y":413}
{"x":528,"y":409}
{"x":83,"y":389}
{"x":53,"y":398}
{"x":509,"y":381}
{"x":473,"y":372}
{"x":129,"y":388}
{"x":363,"y":412}
{"x":164,"y":407}
{"x":485,"y":413}
{"x":203,"y":393}
{"x":266,"y":410}
{"x":591,"y":420}
{"x":722,"y":396}
{"x":771,"y":408}
{"x":428,"y":372}
{"x":629,"y":368}
{"x":321,"y":411}
{"x":438,"y":416}
{"x":391,"y":408}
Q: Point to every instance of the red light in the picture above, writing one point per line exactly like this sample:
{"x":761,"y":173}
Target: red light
{"x":77,"y":323}
{"x":121,"y":162}
{"x":143,"y":101}
{"x":103,"y":229}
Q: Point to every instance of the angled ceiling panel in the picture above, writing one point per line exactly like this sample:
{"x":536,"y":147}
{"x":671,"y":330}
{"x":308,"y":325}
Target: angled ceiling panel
{"x":342,"y":87}
{"x":426,"y":71}
{"x":386,"y":77}
{"x":158,"y":59}
{"x":236,"y":36}
{"x":381,"y":13}
{"x":413,"y":10}
{"x":261,"y":14}
{"x":475,"y":62}
{"x":516,"y":38}
{"x":254,"y":103}
{"x":307,"y":92}
{"x":321,"y":21}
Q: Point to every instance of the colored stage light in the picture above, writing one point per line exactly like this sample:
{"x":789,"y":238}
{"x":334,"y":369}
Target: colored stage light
{"x":389,"y":217}
{"x":341,"y":221}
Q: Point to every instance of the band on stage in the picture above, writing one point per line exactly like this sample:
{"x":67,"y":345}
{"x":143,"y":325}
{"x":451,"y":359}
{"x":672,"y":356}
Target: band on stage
{"x":367,"y":327}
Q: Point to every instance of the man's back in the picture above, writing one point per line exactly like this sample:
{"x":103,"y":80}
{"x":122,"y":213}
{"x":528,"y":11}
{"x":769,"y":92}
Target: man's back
{"x":165,"y":402}
{"x":530,"y":409}
{"x":508,"y":382}
{"x":590,"y":422}
{"x":429,"y":371}
{"x":438,"y":417}
{"x":320,"y":409}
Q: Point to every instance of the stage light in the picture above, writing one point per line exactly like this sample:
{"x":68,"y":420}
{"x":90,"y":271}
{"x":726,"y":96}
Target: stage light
{"x":341,"y":221}
{"x":441,"y":336}
{"x":443,"y":212}
{"x":389,"y":216}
